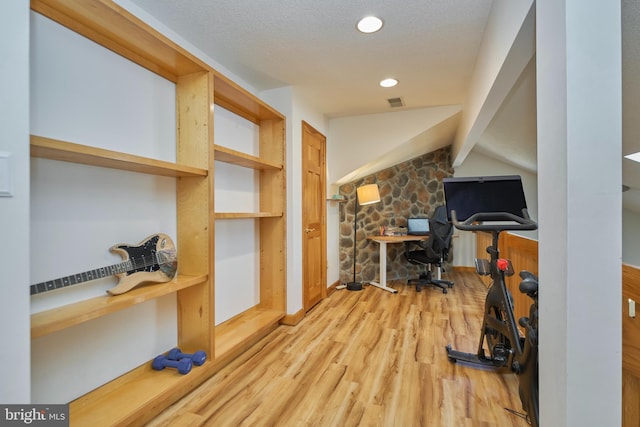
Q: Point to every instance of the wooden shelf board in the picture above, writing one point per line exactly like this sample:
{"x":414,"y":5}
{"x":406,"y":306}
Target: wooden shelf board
{"x":136,"y":397}
{"x":76,"y":153}
{"x":242,"y":215}
{"x":238,"y":158}
{"x":49,"y":321}
{"x":111,"y":26}
{"x":234,"y":98}
{"x":240,"y":332}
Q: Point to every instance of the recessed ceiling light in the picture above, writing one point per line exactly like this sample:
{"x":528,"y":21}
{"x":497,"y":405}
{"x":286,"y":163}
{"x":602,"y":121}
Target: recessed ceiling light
{"x":369,"y":24}
{"x":389,"y":82}
{"x":635,"y":157}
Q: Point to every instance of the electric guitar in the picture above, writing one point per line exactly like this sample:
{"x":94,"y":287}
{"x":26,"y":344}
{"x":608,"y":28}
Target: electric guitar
{"x":152,"y":260}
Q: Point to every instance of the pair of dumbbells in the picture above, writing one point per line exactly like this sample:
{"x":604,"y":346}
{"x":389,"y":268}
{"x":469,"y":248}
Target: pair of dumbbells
{"x":177,"y":360}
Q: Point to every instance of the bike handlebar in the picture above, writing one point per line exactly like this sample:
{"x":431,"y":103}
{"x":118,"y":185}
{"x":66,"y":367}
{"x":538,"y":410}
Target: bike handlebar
{"x":515,"y":222}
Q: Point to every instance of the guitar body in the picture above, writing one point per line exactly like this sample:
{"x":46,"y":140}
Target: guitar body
{"x":152,"y":260}
{"x":158,"y":247}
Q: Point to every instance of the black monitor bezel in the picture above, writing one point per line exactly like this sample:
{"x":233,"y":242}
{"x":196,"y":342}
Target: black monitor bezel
{"x":469,"y":195}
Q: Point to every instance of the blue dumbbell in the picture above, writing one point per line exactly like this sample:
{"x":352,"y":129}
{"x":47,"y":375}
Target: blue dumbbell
{"x":183,"y":365}
{"x":198,"y":358}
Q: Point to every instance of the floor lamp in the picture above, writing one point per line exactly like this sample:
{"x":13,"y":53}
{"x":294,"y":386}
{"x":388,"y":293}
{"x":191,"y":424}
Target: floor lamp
{"x":365,"y":195}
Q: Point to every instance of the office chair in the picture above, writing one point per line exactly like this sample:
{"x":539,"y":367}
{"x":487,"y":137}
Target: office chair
{"x":434,"y":251}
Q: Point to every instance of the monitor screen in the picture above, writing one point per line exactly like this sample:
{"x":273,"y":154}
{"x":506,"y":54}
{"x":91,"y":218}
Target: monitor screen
{"x":418,"y":226}
{"x":468,"y":196}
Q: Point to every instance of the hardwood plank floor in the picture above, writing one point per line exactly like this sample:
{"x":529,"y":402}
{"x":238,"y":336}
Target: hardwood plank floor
{"x":368,"y":358}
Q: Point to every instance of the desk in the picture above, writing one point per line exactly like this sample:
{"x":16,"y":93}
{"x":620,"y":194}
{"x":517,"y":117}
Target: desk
{"x":382,"y":241}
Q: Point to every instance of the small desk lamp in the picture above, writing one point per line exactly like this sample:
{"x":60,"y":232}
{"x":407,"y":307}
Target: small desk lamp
{"x":365,"y":195}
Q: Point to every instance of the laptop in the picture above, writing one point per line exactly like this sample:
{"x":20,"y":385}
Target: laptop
{"x":418,"y":226}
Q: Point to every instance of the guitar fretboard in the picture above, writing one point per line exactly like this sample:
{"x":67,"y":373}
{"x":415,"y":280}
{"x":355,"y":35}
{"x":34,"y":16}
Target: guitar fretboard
{"x":98,"y":273}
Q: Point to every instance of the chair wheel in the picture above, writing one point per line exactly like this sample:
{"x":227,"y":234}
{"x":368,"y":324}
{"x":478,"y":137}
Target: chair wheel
{"x":444,"y":291}
{"x":418,"y":288}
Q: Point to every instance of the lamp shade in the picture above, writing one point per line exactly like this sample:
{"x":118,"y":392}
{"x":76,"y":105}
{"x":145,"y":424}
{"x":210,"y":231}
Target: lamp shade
{"x":368,"y":194}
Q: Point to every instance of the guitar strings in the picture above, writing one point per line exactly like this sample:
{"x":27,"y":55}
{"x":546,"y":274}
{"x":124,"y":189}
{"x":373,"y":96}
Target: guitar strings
{"x":154,"y":260}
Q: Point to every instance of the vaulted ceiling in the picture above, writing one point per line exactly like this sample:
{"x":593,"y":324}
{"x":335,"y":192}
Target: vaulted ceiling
{"x":431,"y":47}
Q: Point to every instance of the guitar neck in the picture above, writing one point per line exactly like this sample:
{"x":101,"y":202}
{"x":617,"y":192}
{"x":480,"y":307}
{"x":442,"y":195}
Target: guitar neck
{"x":98,"y":273}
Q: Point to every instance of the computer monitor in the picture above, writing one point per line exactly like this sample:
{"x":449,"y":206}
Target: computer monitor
{"x":471,"y":195}
{"x":418,"y":226}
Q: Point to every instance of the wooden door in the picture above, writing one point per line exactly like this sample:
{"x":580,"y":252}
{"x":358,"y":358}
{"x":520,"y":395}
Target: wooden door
{"x":630,"y":347}
{"x":314,"y":260}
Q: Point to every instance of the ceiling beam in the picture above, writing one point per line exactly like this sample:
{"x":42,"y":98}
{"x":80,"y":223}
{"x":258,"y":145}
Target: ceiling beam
{"x":507,"y":47}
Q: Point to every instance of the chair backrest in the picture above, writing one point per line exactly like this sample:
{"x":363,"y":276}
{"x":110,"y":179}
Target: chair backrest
{"x":441,"y":230}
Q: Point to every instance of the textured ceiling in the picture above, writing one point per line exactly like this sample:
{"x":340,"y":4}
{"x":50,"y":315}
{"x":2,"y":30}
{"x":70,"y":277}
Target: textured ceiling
{"x":430,"y":46}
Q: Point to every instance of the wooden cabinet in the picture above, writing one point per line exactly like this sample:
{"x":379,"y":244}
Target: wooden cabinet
{"x":138,"y":395}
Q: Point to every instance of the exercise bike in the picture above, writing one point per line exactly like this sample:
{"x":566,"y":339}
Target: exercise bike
{"x":507,"y":348}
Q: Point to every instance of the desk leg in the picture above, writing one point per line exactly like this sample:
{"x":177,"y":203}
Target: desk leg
{"x":383,"y":270}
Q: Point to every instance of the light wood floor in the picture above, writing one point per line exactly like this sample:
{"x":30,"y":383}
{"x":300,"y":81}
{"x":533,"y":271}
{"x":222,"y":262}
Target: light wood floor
{"x":367,"y":358}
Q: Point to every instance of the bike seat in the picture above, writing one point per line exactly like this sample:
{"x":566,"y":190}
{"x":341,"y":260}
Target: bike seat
{"x":524,"y":274}
{"x":529,"y":284}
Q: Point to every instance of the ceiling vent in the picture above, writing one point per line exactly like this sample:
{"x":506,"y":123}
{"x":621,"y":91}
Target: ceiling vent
{"x":395,"y":102}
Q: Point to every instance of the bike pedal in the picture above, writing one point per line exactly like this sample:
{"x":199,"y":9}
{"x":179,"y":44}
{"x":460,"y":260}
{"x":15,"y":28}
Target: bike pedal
{"x":499,"y":353}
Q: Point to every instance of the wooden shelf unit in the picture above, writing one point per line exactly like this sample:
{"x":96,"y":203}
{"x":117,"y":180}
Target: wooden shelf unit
{"x":138,"y":395}
{"x":49,"y":321}
{"x":228,"y":155}
{"x":54,"y":149}
{"x":237,"y":158}
{"x":237,"y":334}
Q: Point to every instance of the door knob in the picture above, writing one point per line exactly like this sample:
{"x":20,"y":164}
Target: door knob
{"x":309,"y":230}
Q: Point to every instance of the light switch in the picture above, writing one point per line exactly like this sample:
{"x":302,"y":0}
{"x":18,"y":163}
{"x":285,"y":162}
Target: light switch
{"x":632,"y":308}
{"x":6,"y":189}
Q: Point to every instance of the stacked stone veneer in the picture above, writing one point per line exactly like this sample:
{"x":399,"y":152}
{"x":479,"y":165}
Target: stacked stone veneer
{"x":410,"y":189}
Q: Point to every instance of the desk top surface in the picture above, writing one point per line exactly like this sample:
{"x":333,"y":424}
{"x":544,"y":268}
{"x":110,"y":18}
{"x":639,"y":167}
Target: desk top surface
{"x":396,"y":239}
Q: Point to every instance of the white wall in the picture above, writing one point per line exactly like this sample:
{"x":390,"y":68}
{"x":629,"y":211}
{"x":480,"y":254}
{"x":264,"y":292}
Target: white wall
{"x":361,"y":144}
{"x":14,"y":211}
{"x":237,"y":242}
{"x":507,"y":46}
{"x":150,"y":20}
{"x":83,"y":93}
{"x":579,"y":101}
{"x":296,"y":108}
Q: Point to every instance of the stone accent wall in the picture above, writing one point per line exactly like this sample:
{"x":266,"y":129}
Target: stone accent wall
{"x":412,"y":188}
